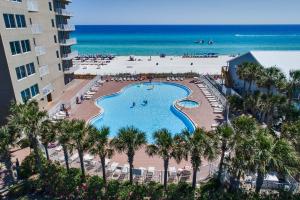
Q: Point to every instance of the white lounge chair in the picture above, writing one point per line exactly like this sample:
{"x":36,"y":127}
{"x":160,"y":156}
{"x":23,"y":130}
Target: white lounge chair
{"x":149,"y":174}
{"x":74,"y":157}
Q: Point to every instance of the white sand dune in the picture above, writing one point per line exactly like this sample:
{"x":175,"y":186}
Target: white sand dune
{"x":169,"y":64}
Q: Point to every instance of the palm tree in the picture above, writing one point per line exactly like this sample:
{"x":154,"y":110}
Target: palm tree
{"x":224,"y":134}
{"x":79,"y":132}
{"x":242,"y":73}
{"x":164,"y":147}
{"x":291,"y":132}
{"x":98,"y":142}
{"x":269,"y":105}
{"x":293,"y":84}
{"x":252,"y":74}
{"x":273,"y":155}
{"x":7,"y":139}
{"x":63,"y":134}
{"x":272,"y":77}
{"x":244,"y":128}
{"x":47,"y":135}
{"x":27,"y":119}
{"x":198,"y":145}
{"x":129,"y":140}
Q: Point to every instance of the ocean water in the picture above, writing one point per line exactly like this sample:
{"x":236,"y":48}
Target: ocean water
{"x":180,"y":39}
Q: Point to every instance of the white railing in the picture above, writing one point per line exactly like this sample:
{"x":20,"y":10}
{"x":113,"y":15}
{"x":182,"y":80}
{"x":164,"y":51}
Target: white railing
{"x":219,"y":96}
{"x":70,"y":56}
{"x":66,"y":27}
{"x":68,"y":42}
{"x":40,"y":50}
{"x":32,"y":6}
{"x":83,"y":91}
{"x":64,"y":12}
{"x":47,"y":89}
{"x":36,"y":29}
{"x":44,"y":70}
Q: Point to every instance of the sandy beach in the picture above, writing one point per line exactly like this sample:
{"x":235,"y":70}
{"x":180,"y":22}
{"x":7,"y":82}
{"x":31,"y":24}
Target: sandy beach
{"x":143,"y":64}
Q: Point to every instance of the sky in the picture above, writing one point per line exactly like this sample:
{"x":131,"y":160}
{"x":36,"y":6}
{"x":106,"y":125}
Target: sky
{"x":119,"y":12}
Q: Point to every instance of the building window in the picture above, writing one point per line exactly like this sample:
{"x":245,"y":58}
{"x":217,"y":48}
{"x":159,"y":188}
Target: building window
{"x":34,"y":90}
{"x":21,"y":22}
{"x":57,"y":54}
{"x":16,"y":0}
{"x":55,"y":39}
{"x":30,"y":68}
{"x":25,"y":94}
{"x":50,"y":6}
{"x":59,"y":66}
{"x":21,"y":72}
{"x":52,"y":22}
{"x":9,"y":20}
{"x":15,"y":47}
{"x":25,"y":46}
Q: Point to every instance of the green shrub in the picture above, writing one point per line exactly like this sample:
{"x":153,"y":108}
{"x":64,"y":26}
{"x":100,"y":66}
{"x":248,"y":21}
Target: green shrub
{"x":95,"y":188}
{"x":181,"y":191}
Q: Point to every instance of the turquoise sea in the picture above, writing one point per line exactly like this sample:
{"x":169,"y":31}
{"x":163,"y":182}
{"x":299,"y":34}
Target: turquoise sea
{"x":181,"y":39}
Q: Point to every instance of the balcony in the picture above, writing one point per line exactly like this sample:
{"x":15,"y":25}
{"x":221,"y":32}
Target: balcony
{"x":36,"y":29}
{"x":40,"y":50}
{"x":44,"y":70}
{"x":47,"y":90}
{"x":67,"y":1}
{"x":32,"y":6}
{"x":68,"y":42}
{"x":65,"y":27}
{"x":63,"y":12}
{"x":70,"y":56}
{"x":71,"y":70}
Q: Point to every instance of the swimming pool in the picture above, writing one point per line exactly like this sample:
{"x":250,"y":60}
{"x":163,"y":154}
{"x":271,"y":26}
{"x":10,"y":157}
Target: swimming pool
{"x":147,"y":106}
{"x":188,"y":103}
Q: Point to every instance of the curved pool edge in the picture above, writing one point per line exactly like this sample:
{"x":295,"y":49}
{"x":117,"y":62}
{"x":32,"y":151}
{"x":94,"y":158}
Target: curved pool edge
{"x":178,"y":112}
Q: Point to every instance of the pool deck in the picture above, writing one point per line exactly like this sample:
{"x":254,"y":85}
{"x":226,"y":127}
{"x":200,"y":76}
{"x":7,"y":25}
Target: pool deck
{"x":202,"y":116}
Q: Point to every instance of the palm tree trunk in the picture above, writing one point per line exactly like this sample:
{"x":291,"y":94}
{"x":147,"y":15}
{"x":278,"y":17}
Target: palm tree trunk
{"x":37,"y":158}
{"x":66,"y":157}
{"x":249,"y":87}
{"x":259,"y":181}
{"x":195,"y":170}
{"x":8,"y":165}
{"x":102,"y":160}
{"x":46,"y":151}
{"x":166,"y":166}
{"x":221,"y":165}
{"x":130,"y":161}
{"x":80,"y":153}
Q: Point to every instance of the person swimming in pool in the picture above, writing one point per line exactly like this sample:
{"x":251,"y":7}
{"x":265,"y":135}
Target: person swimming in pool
{"x":133,"y":104}
{"x":145,"y":102}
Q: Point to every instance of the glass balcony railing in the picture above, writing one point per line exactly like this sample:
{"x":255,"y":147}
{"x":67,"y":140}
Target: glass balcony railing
{"x":71,"y":70}
{"x":32,"y":6}
{"x":63,"y":12}
{"x":47,"y":89}
{"x":36,"y":29}
{"x":44,"y":70}
{"x":65,"y":27}
{"x":70,"y":56}
{"x":40,"y":50}
{"x":68,"y":42}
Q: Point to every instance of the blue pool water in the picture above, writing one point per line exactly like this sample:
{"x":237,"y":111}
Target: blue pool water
{"x":188,"y":103}
{"x":157,"y":113}
{"x":179,"y":39}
